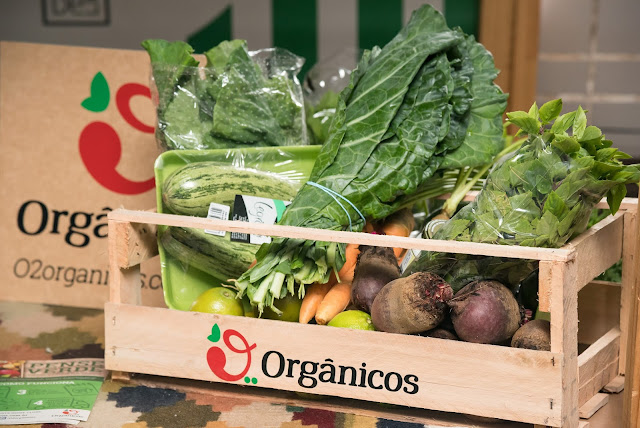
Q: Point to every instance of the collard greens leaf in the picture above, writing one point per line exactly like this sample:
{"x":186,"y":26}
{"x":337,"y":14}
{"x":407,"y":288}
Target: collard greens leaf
{"x":484,"y":133}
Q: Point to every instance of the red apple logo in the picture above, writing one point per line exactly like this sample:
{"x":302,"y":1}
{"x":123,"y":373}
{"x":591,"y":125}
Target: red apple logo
{"x":99,"y":144}
{"x":217,"y":359}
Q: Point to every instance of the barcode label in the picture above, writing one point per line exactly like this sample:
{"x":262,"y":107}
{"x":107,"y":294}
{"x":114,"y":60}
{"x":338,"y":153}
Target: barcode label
{"x":410,"y":256}
{"x":217,"y":212}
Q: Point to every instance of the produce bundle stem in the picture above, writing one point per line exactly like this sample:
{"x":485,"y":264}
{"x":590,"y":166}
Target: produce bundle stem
{"x":451,"y":205}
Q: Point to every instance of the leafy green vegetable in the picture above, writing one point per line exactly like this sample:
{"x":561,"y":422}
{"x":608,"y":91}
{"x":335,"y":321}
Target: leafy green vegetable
{"x":405,"y":108}
{"x":176,"y":56}
{"x":319,"y":117}
{"x":237,"y":99}
{"x":483,"y":138}
{"x":541,"y":195}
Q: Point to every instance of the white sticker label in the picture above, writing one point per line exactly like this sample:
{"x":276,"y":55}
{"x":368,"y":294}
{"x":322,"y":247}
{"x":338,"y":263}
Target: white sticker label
{"x":217,"y":212}
{"x":410,"y":255}
{"x":255,"y":209}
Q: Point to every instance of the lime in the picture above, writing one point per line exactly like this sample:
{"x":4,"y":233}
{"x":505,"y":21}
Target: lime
{"x":290,"y":307}
{"x":218,"y":300}
{"x":357,"y":320}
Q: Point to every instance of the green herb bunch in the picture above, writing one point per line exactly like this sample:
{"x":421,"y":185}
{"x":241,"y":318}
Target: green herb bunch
{"x":540,"y":195}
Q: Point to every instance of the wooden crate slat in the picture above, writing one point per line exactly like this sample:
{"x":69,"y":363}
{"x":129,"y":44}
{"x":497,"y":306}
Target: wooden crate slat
{"x":615,"y":386}
{"x":596,"y":403}
{"x":592,"y":387}
{"x":453,"y":376}
{"x":597,"y":356}
{"x":598,"y":364}
{"x":534,"y":253}
{"x":590,"y":257}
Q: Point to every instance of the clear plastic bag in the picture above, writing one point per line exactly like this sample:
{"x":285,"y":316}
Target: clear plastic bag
{"x":238,"y":99}
{"x":192,"y":261}
{"x":321,"y":86}
{"x":540,"y":195}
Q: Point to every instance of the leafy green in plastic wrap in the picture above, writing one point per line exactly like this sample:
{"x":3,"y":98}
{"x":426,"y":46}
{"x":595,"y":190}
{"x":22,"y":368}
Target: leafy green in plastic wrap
{"x":390,"y":122}
{"x":540,"y":195}
{"x":238,"y":99}
{"x":319,"y":117}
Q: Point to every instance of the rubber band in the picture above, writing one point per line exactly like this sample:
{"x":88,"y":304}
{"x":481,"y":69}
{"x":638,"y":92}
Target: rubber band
{"x":333,"y":194}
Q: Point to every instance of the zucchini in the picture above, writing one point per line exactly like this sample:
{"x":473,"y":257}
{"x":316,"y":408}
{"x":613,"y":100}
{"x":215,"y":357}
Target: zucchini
{"x":215,"y":255}
{"x":190,"y":189}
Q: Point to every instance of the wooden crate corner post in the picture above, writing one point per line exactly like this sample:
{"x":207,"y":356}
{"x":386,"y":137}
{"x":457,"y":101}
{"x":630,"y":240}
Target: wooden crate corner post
{"x":129,"y":245}
{"x":560,"y":278}
{"x":631,"y":404}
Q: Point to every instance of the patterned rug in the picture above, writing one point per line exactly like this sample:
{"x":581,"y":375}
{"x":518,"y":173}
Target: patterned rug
{"x":41,"y":332}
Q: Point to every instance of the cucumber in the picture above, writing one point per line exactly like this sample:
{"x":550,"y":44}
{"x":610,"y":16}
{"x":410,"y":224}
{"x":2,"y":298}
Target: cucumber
{"x":215,"y":255}
{"x":190,"y":189}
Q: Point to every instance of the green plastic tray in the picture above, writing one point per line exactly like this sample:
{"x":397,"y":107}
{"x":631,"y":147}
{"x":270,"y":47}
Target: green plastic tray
{"x":183,"y":284}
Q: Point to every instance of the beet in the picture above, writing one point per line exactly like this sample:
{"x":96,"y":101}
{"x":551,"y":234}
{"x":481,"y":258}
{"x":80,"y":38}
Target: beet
{"x":375,"y":268}
{"x":485,"y":312}
{"x":412,"y":304}
{"x":535,"y":334}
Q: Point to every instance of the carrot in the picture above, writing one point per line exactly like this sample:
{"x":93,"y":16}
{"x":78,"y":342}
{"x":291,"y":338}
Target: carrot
{"x":351,"y":257}
{"x":400,"y":223}
{"x":336,"y":301}
{"x":312,"y":297}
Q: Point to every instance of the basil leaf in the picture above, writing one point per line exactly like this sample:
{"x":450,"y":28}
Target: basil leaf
{"x":566,"y":144}
{"x":615,"y":197}
{"x":563,"y":123}
{"x":534,"y":113}
{"x":591,"y":133}
{"x":550,"y":111}
{"x":524,"y":121}
{"x":579,"y":123}
{"x":555,"y":205}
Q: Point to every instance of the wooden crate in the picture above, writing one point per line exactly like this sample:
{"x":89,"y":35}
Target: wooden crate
{"x":543,"y":388}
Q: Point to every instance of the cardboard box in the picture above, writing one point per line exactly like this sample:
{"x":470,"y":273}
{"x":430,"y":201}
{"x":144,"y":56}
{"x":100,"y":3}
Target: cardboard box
{"x":76,"y":135}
